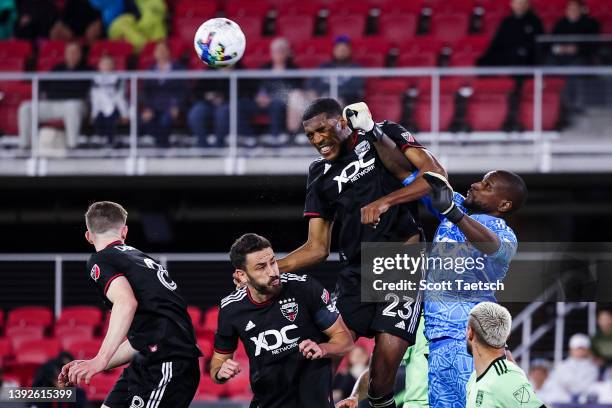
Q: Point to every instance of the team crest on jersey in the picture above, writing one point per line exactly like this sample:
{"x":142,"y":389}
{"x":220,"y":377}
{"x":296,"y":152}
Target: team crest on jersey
{"x":408,"y":137}
{"x":289,"y":308}
{"x":522,"y":395}
{"x":325,"y":296}
{"x":95,"y":272}
{"x":137,"y":402}
{"x":362,"y":148}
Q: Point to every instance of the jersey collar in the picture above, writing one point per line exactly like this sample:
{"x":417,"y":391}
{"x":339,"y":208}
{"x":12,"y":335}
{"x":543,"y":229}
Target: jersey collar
{"x":118,"y":242}
{"x":490,"y":365}
{"x":259,"y":304}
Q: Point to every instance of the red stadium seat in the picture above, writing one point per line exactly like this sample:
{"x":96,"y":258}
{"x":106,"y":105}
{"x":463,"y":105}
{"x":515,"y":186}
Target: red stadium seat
{"x":15,"y":49}
{"x":19,"y":335}
{"x":69,"y":335}
{"x":295,"y":28}
{"x":449,"y":28}
{"x":467,"y":50}
{"x":203,"y":9}
{"x":250,"y":26}
{"x":393,"y":86}
{"x":210,"y":317}
{"x":117,"y":48}
{"x":344,"y":8}
{"x":418,"y":59}
{"x":240,"y":384}
{"x":185,"y":27}
{"x":397,"y":27}
{"x":206,"y":347}
{"x":312,"y":53}
{"x":351,"y":25}
{"x":395,"y":7}
{"x":385,"y":106}
{"x":50,"y":53}
{"x":6,"y":350}
{"x":80,"y":315}
{"x":296,"y":8}
{"x":252,"y":8}
{"x":86,"y":349}
{"x":12,"y":64}
{"x":551,"y":104}
{"x":491,"y":22}
{"x":370,"y":51}
{"x":257,"y":53}
{"x":14,"y":93}
{"x":100,"y":386}
{"x":487,"y":112}
{"x":450,"y":7}
{"x":423,"y":112}
{"x":30,"y":316}
{"x":195,"y":313}
{"x":37,"y":351}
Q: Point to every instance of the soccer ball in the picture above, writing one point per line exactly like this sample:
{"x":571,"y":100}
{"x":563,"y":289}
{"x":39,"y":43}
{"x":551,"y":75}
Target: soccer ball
{"x":219,"y":42}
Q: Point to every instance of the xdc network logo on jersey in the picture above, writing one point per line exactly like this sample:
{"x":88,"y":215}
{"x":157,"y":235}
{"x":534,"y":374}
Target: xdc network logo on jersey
{"x":275,"y":341}
{"x":354,"y":170}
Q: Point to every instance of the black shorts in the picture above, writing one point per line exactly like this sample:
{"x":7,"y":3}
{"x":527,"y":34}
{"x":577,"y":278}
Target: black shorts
{"x":171,"y":384}
{"x":398,"y":316}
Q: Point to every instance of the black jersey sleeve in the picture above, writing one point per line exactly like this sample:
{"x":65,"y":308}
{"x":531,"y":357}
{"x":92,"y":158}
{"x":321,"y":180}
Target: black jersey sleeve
{"x":402,"y":137}
{"x":226,"y":337}
{"x":320,"y":304}
{"x":315,"y":205}
{"x":103,"y":272}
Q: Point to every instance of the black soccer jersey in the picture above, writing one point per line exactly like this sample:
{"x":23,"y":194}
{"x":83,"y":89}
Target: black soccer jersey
{"x":161,"y":329}
{"x":338,"y":190}
{"x":271,"y":332}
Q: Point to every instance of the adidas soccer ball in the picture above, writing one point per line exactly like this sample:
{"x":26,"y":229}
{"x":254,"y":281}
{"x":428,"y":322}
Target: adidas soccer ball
{"x":219,"y":42}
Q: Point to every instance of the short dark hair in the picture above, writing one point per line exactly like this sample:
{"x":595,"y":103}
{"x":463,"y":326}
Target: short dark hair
{"x":246,"y":244}
{"x":329,"y":106}
{"x":103,"y":216}
{"x":515,"y":188}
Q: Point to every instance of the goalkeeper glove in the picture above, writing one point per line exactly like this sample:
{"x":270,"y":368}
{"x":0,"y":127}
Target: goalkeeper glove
{"x":358,"y":117}
{"x":442,"y":197}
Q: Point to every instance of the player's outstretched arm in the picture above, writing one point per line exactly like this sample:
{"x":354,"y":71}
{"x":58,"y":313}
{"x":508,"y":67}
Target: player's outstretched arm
{"x":124,"y":307}
{"x":359,"y":393}
{"x":223,"y":368}
{"x":442,"y":200}
{"x":314,"y":251}
{"x":340,"y":342}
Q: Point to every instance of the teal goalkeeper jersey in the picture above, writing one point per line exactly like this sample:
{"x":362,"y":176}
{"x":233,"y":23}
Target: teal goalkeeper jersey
{"x":502,"y":385}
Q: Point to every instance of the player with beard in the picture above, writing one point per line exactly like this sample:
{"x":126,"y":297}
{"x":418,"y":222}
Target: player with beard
{"x":289,"y":326}
{"x":496,"y":381}
{"x":351,"y":189}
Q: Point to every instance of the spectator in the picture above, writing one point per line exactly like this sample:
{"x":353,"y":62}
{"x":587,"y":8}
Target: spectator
{"x":350,"y":89}
{"x":358,"y":360}
{"x":46,"y":376}
{"x":36,"y":17}
{"x":575,"y":22}
{"x":576,"y":373}
{"x":271,"y":96}
{"x":212,"y":103}
{"x":108,"y":103}
{"x":142,"y":21}
{"x":162,"y":98}
{"x":514,"y":41}
{"x":538,"y":374}
{"x":600,"y":392}
{"x":59,"y":100}
{"x":8,"y":16}
{"x":78,"y":19}
{"x":601,"y":344}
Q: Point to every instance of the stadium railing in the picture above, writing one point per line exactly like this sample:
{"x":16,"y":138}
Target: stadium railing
{"x":539,"y":147}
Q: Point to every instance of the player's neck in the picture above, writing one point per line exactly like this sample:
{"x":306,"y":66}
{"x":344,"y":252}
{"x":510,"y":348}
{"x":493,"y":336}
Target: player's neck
{"x":102,"y":243}
{"x":259,"y":297}
{"x":484,"y":356}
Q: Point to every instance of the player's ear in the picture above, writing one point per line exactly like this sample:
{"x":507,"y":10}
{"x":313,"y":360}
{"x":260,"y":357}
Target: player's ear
{"x":505,"y":206}
{"x":470,"y":333}
{"x":88,"y":237}
{"x":124,"y":231}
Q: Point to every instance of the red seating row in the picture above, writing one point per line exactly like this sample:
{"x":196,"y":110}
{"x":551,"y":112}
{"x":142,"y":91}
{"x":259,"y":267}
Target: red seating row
{"x":487,"y":107}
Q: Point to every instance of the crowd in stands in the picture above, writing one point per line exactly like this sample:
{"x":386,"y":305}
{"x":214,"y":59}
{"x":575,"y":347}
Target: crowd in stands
{"x":289,"y":35}
{"x":585,"y":376}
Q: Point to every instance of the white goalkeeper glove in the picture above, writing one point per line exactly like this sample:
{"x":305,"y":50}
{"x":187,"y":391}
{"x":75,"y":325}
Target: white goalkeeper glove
{"x":358,"y":117}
